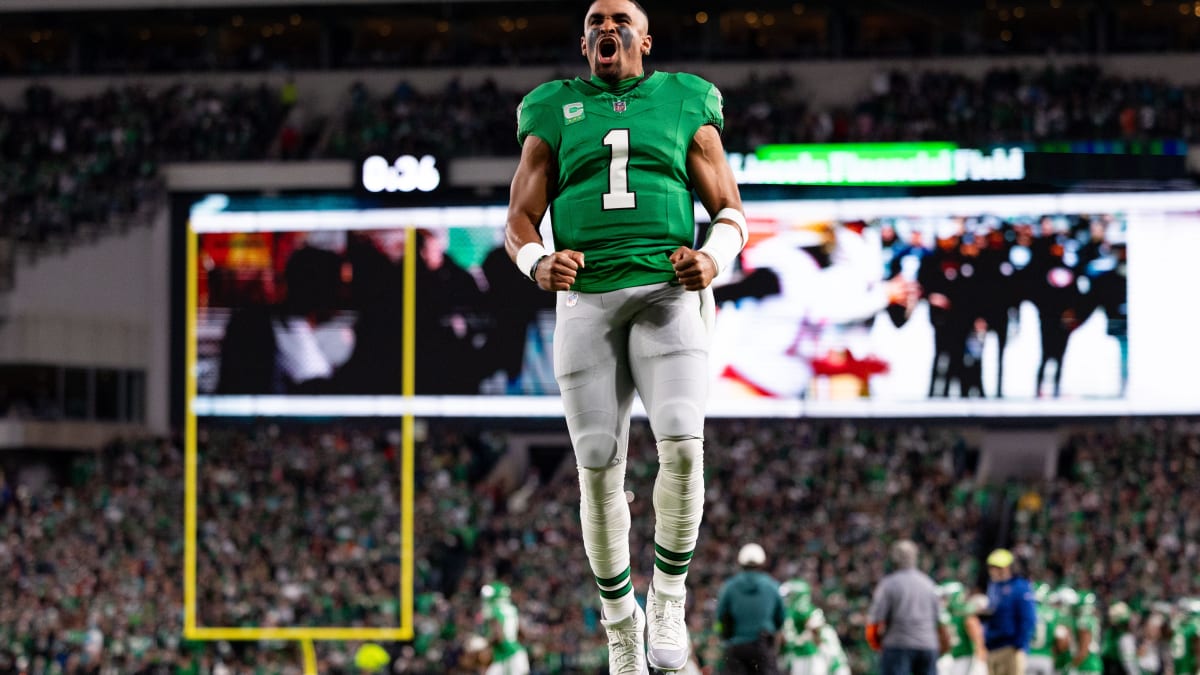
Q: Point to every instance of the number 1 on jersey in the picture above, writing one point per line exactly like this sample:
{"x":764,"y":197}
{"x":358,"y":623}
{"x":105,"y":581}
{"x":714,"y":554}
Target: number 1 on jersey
{"x":618,"y":195}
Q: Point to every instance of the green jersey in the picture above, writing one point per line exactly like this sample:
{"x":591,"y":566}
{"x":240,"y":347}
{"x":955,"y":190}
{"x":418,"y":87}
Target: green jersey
{"x":1066,"y":623}
{"x":502,"y":617}
{"x":1183,"y":644}
{"x":1119,"y":649}
{"x":960,"y":639}
{"x":623,"y":196}
{"x":797,"y":638}
{"x":1047,"y":620}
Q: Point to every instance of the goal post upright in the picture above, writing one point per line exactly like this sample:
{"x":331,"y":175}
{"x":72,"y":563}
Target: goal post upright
{"x":304,"y":635}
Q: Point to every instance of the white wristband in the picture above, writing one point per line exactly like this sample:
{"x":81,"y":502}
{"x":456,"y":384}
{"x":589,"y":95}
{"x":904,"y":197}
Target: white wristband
{"x":528,"y":256}
{"x":723,"y":243}
{"x":737,"y":218}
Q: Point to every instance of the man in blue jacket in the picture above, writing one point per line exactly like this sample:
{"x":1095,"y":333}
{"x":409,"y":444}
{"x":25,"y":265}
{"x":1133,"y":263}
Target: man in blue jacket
{"x":1010,"y":627}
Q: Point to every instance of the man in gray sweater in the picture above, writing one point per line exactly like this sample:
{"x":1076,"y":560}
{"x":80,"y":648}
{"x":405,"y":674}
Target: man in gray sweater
{"x":749,"y":617}
{"x":903,"y":619}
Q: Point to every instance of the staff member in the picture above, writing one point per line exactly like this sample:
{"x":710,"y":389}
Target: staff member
{"x":749,"y":617}
{"x":903,"y":619}
{"x":1010,"y":627}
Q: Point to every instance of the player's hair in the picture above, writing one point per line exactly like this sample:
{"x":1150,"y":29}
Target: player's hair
{"x":635,"y":3}
{"x":642,"y":10}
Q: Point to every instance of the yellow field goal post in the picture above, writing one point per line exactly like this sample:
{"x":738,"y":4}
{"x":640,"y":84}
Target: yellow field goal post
{"x":305,"y":635}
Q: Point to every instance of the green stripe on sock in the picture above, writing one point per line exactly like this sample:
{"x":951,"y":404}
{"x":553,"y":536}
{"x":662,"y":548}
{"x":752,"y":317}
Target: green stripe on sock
{"x":673,"y":556}
{"x":669,"y":568}
{"x":623,"y":576}
{"x":620,"y":592}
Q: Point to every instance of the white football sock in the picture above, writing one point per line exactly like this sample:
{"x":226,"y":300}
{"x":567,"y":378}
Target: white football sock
{"x":604,"y":515}
{"x":678,"y":508}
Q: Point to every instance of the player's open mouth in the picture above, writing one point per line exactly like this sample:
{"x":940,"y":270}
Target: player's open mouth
{"x":606,"y":50}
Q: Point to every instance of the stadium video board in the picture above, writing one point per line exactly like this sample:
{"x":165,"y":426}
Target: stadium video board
{"x":1021,"y":305}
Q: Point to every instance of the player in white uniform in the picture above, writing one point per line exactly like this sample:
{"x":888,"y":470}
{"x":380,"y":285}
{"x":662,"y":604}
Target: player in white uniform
{"x":617,"y":158}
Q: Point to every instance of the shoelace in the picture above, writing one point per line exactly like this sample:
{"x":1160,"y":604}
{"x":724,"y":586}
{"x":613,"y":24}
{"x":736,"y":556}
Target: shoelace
{"x":624,"y":646}
{"x":670,"y":629}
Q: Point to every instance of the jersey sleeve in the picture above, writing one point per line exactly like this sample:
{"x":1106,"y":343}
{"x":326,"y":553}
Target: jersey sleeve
{"x":535,"y":118}
{"x":714,"y":108}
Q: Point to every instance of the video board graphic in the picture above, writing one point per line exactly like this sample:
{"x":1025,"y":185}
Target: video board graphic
{"x":933,"y":306}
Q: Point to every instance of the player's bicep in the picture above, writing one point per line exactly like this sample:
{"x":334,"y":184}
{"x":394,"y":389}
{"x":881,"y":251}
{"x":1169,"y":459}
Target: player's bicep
{"x":710,"y":172}
{"x":532,"y":189}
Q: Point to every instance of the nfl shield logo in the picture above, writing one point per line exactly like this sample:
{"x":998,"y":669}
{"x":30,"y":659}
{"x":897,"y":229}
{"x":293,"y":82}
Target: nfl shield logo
{"x":618,"y":106}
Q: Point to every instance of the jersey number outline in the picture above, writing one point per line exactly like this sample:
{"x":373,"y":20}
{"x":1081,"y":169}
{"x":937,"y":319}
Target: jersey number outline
{"x":618,"y":196}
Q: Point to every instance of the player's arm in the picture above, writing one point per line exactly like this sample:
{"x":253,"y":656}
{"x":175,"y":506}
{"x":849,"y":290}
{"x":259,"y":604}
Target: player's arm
{"x":717,"y":189}
{"x":944,"y":638}
{"x":1082,"y":642}
{"x":975,"y":634}
{"x":529,"y":197}
{"x":1062,"y":640}
{"x":814,"y":624}
{"x":495,"y":631}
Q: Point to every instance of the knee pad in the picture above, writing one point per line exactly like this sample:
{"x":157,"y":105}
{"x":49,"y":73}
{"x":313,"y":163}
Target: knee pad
{"x":597,"y":450}
{"x":678,"y":418}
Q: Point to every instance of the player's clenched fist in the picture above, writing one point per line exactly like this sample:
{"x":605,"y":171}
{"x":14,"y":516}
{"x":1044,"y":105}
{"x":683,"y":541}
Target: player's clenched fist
{"x":556,"y":271}
{"x":695,"y":270}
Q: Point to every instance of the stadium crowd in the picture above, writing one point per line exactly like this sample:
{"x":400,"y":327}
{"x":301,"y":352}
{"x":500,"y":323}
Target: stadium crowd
{"x":297,"y":526}
{"x":74,"y":165}
{"x":1006,"y":105}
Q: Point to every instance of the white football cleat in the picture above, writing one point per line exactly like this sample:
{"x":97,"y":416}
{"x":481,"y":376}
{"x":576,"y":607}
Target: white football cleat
{"x":627,"y":644}
{"x":668,"y":641}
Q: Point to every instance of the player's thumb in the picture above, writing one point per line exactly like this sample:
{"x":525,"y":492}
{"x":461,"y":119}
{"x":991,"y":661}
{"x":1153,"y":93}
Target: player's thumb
{"x":577,"y":256}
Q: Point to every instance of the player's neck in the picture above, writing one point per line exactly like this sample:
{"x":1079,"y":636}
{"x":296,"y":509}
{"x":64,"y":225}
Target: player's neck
{"x":620,"y":86}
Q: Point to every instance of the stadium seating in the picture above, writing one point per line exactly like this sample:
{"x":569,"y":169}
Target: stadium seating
{"x":78,"y":167}
{"x":98,"y":559}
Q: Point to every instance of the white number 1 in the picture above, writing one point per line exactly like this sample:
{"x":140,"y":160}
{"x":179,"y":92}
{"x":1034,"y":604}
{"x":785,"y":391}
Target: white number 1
{"x":618,"y":195}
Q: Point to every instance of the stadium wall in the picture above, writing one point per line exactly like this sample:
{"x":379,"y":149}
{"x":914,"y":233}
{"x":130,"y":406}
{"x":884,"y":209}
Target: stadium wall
{"x":101,"y":304}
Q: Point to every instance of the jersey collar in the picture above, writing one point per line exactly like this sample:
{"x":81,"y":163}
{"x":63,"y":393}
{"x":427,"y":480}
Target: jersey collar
{"x":620,"y":88}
